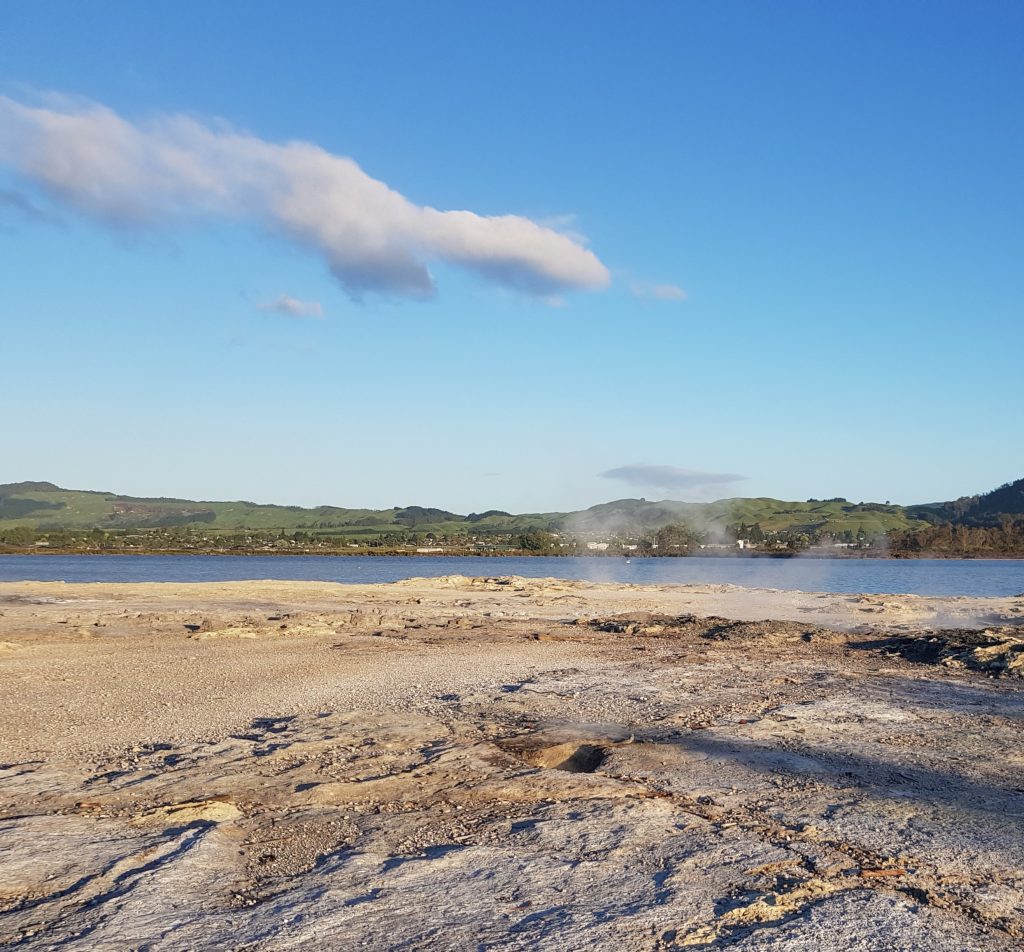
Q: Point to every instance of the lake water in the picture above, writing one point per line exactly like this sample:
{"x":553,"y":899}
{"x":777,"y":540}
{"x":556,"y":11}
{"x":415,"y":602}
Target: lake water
{"x":883,"y":576}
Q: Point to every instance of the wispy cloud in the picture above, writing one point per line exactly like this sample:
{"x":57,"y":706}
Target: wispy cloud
{"x":660,"y":292}
{"x":293,"y":307}
{"x":15,"y":204}
{"x":177,"y":168}
{"x":669,"y":478}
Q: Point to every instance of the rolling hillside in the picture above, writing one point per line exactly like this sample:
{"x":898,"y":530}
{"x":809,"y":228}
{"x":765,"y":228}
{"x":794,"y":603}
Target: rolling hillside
{"x":985,"y":509}
{"x":836,"y":516}
{"x":45,"y":507}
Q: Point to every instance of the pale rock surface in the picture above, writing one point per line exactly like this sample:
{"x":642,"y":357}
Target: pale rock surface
{"x":510,"y":764}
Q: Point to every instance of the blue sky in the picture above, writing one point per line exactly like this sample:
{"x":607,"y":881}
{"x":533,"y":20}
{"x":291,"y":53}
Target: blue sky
{"x":774,"y":241}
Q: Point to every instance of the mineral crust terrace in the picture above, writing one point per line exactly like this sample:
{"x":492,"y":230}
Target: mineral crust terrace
{"x":506,"y":763}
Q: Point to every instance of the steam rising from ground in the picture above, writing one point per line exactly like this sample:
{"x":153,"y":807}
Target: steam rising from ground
{"x":632,"y":518}
{"x":175,"y":169}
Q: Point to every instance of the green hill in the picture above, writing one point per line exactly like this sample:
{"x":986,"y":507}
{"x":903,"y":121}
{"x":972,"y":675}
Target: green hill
{"x":986,"y":509}
{"x":44,"y":507}
{"x":836,"y":516}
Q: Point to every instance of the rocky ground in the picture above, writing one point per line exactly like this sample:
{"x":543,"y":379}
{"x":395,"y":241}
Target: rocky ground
{"x":509,"y":764}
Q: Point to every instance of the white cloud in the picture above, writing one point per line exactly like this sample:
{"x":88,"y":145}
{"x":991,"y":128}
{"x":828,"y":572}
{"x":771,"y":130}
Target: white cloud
{"x":669,"y":478}
{"x":661,"y":292}
{"x":175,"y":168}
{"x":293,"y":307}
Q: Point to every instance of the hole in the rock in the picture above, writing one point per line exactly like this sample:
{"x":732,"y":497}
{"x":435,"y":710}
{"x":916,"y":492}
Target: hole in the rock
{"x":574,"y":758}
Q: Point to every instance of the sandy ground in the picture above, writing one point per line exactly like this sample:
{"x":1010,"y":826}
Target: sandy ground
{"x":509,"y":764}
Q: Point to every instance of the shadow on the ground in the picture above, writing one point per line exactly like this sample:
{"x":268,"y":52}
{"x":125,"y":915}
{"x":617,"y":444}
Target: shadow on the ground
{"x":884,"y":778}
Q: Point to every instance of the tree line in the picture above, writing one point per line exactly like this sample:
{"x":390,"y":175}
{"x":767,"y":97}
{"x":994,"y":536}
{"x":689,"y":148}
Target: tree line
{"x":1005,"y":538}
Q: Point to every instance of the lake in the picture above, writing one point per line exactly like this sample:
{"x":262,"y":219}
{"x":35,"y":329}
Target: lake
{"x":882,"y":576}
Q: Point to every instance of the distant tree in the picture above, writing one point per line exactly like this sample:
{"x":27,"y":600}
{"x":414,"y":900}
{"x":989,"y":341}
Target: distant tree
{"x":676,"y":538}
{"x":749,"y":533}
{"x":19,"y":535}
{"x":535,"y":540}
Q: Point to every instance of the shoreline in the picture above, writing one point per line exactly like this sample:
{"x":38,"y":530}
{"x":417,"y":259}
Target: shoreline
{"x":398,"y":553}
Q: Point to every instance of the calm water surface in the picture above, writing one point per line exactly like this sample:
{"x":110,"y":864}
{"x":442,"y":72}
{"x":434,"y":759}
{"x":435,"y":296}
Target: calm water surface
{"x":918,"y":577}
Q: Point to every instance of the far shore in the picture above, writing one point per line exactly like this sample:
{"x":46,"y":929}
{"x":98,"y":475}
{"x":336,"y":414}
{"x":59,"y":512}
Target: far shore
{"x":455,"y":552}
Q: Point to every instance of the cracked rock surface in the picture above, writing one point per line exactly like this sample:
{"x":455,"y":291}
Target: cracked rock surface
{"x":510,"y":764}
